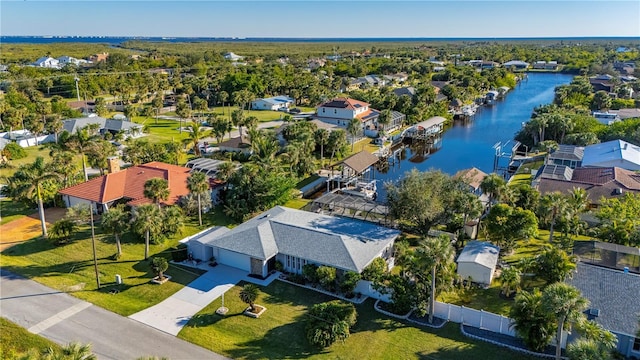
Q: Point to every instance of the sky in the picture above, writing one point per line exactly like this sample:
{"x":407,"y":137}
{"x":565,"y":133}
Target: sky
{"x":322,"y":19}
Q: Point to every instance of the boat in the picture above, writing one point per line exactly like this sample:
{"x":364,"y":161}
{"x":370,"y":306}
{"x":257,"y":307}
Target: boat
{"x":367,"y":190}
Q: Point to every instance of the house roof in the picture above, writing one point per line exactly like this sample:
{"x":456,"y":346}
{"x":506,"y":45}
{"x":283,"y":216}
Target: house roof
{"x":436,"y":120}
{"x":627,"y":113}
{"x":72,"y":125}
{"x":129,"y":184}
{"x":473,"y":176}
{"x":558,"y":172}
{"x":361,"y":161}
{"x":618,"y":151}
{"x":612,"y":292}
{"x":516,"y":63}
{"x":405,"y":90}
{"x":597,"y":182}
{"x":239,"y":142}
{"x":480,"y":252}
{"x":568,"y":152}
{"x":335,"y":241}
{"x":274,"y":100}
{"x":344,"y":103}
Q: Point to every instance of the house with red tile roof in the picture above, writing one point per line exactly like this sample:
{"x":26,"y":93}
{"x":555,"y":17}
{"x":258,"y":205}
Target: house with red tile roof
{"x":127,"y":186}
{"x":340,"y":112}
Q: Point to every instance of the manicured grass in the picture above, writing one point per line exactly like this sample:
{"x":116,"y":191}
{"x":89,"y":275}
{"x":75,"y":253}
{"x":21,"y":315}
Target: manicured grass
{"x":297,"y":203}
{"x":70,"y":268}
{"x":13,"y":210}
{"x":16,"y":340}
{"x":163,"y":131}
{"x":279,"y":332}
{"x":32,"y":153}
{"x":480,"y":299}
{"x":364,"y":144}
{"x":520,"y":179}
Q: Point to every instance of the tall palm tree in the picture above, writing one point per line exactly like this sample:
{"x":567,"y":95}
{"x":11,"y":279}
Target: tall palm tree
{"x":435,"y":254}
{"x":553,"y":206}
{"x":156,"y":189}
{"x":195,"y":134}
{"x":238,"y":118}
{"x":492,"y":185}
{"x":147,"y":221}
{"x":566,"y":304}
{"x":353,"y":128}
{"x":198,"y":184}
{"x":27,"y":183}
{"x":531,"y":321}
{"x":219,"y":127}
{"x":116,"y":222}
{"x":384,"y":119}
{"x":322,"y":138}
{"x":81,"y":143}
{"x":510,"y":279}
{"x":577,"y":203}
{"x":225,"y":171}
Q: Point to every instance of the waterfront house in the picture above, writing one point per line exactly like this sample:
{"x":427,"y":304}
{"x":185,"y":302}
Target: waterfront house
{"x":613,"y":302}
{"x":602,"y":83}
{"x":606,"y":118}
{"x":295,"y":238}
{"x":68,"y":60}
{"x":478,"y":261}
{"x":47,"y":62}
{"x":612,"y":153}
{"x":127,"y":185}
{"x":546,"y":65}
{"x":472,"y":177}
{"x":624,"y":114}
{"x":275,"y":103}
{"x":516,"y":64}
{"x":598,"y":182}
{"x":568,"y":155}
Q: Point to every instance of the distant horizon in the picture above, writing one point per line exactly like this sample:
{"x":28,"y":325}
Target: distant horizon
{"x":308,"y":19}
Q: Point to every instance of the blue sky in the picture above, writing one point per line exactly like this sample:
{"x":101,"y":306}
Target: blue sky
{"x":453,"y":18}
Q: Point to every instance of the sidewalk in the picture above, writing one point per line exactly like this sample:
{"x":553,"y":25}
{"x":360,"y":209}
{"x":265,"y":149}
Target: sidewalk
{"x":172,"y":314}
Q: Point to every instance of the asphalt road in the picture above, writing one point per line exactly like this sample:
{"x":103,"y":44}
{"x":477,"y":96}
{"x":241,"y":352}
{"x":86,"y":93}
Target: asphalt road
{"x":63,"y":319}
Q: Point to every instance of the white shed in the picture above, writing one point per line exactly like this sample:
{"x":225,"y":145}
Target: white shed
{"x":478,"y":261}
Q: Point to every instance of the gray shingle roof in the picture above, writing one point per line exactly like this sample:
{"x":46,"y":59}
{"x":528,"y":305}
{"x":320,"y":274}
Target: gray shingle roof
{"x":72,"y":125}
{"x":614,"y":293}
{"x":339,"y":242}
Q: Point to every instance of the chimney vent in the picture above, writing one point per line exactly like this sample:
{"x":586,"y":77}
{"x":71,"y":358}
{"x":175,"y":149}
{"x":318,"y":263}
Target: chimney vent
{"x":114,"y":164}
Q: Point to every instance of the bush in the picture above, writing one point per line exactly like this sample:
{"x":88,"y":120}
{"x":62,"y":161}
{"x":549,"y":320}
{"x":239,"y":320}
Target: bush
{"x":159,"y":265}
{"x":296,"y":278}
{"x":279,"y":266}
{"x":13,"y":151}
{"x":62,"y":230}
{"x":348,"y":282}
{"x":309,"y":271}
{"x":330,"y":321}
{"x":327,"y":277}
{"x":374,"y":271}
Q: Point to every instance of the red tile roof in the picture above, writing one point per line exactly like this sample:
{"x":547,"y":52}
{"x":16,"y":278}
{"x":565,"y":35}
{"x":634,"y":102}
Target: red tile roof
{"x":129,"y":184}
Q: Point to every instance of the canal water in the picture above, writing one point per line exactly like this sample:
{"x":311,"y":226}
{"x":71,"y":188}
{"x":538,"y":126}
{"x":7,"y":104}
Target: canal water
{"x":470,"y":144}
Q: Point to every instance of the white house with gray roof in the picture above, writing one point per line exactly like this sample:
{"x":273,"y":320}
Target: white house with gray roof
{"x":295,"y":238}
{"x":130,"y":129}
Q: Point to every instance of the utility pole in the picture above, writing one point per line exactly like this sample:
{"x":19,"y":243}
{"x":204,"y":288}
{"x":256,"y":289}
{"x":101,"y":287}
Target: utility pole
{"x":93,"y":243}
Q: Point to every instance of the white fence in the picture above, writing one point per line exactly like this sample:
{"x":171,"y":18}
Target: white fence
{"x":477,"y":318}
{"x":364,"y":287}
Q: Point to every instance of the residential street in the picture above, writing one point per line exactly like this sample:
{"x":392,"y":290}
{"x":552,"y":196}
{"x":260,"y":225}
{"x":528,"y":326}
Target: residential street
{"x":63,"y":319}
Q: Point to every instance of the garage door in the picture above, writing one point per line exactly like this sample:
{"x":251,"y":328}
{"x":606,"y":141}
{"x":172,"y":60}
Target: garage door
{"x":234,"y":259}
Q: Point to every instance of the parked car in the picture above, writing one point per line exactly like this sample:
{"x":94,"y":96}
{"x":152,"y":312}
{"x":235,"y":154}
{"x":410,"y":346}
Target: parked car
{"x":295,"y":111}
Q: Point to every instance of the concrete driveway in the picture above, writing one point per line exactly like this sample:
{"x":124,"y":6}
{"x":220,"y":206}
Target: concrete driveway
{"x":63,"y":319}
{"x":172,"y":314}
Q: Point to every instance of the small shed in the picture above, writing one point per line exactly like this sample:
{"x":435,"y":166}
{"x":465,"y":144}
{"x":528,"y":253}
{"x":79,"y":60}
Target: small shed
{"x":478,"y":261}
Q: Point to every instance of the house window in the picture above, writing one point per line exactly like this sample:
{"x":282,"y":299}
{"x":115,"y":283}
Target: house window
{"x":288,"y":261}
{"x":636,"y":345}
{"x":335,"y":111}
{"x":323,"y":110}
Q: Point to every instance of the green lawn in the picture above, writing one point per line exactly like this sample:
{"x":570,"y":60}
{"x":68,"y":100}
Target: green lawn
{"x":520,"y":179}
{"x":13,"y":210}
{"x":480,"y":299}
{"x":279,"y":332}
{"x":70,"y":267}
{"x":162,"y":130}
{"x":32,"y":153}
{"x":16,"y":340}
{"x":297,"y":203}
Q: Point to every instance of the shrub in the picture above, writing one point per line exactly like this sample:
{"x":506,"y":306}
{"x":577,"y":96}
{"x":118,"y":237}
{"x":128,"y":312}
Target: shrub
{"x":13,"y":151}
{"x":309,"y":271}
{"x":327,"y":277}
{"x":348,"y":282}
{"x":159,"y":265}
{"x":279,"y":266}
{"x":329,"y":322}
{"x":374,"y":271}
{"x":296,"y":278}
{"x":62,"y":230}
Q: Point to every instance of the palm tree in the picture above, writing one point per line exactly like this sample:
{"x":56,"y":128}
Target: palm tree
{"x":249,"y":294}
{"x":237,"y":118}
{"x":81,"y":143}
{"x":353,"y":128}
{"x":194,"y":136}
{"x":384,"y":119}
{"x":157,"y":104}
{"x":553,"y":206}
{"x":436,"y":254}
{"x":183,"y":110}
{"x":566,"y":304}
{"x":510,"y":279}
{"x":251,"y":122}
{"x":156,"y":189}
{"x":531,"y":321}
{"x":492,"y":185}
{"x":116,"y":222}
{"x":198,"y":185}
{"x":225,"y":170}
{"x":322,"y":138}
{"x":577,"y":202}
{"x":146,"y":220}
{"x":219,"y":127}
{"x":27,"y":183}
{"x":73,"y":351}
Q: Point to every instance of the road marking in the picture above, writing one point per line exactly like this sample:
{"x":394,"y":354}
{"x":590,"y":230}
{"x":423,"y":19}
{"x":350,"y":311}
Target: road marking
{"x":62,"y":315}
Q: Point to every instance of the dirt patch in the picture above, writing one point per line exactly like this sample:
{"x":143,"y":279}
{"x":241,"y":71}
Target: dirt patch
{"x":27,"y":228}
